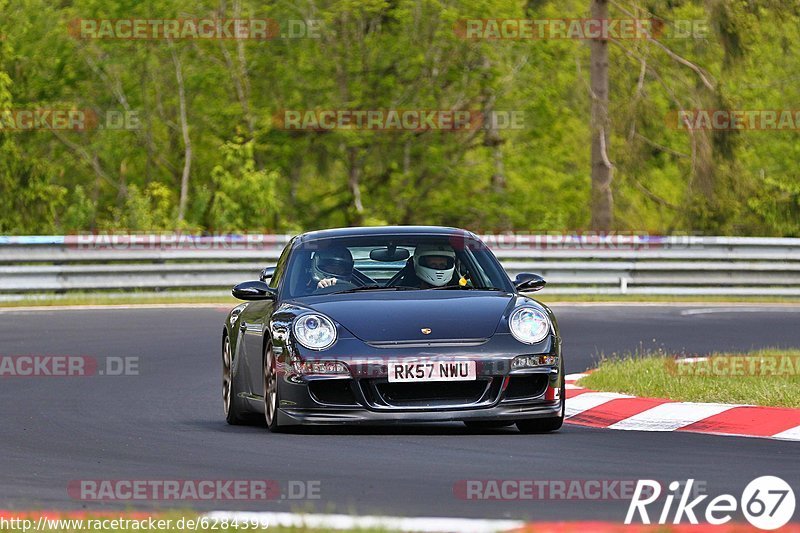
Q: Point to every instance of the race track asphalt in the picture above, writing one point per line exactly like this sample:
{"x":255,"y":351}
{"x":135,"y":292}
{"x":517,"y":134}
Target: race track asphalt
{"x":167,"y":422}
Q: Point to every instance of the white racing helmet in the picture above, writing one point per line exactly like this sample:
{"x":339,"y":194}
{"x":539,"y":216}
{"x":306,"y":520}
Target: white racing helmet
{"x":434,"y":264}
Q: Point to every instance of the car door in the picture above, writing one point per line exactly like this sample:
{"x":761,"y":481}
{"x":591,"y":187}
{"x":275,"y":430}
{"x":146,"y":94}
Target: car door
{"x":254,"y":326}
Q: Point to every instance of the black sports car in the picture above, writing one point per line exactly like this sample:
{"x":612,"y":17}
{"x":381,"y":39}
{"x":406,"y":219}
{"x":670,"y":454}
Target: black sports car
{"x":392,"y":325}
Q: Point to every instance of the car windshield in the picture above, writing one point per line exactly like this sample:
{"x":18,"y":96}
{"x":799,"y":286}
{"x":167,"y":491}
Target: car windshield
{"x":392,"y":263}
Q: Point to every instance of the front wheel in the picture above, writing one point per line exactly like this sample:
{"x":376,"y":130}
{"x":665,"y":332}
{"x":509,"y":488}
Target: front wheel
{"x":546,"y":425}
{"x":271,"y":399}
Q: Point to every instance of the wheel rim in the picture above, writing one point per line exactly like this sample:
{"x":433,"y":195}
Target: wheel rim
{"x":226,"y":376}
{"x":270,"y":387}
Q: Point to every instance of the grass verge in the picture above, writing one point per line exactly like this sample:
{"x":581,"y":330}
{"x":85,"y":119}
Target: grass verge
{"x":661,"y":298}
{"x":99,"y":299}
{"x":765,"y":377}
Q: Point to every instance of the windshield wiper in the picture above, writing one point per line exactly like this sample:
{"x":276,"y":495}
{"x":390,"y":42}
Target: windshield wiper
{"x":375,"y":288}
{"x":464,"y":288}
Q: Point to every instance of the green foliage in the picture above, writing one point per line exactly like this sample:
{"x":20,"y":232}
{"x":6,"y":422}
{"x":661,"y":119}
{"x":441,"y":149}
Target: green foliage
{"x":244,"y":198}
{"x":151,"y":209}
{"x":778,"y":204}
{"x":31,"y":203}
{"x":80,"y":213}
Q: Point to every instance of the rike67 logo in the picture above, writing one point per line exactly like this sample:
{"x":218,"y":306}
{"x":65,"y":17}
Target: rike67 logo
{"x":768,"y":503}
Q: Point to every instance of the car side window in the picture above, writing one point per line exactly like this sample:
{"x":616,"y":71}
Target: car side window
{"x":280,"y":267}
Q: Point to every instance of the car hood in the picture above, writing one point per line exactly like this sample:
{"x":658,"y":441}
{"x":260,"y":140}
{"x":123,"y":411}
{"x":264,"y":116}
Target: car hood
{"x":385,"y":317}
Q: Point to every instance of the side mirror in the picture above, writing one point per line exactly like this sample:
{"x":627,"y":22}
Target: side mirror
{"x":266,"y":273}
{"x":253,"y":290}
{"x":527,"y":282}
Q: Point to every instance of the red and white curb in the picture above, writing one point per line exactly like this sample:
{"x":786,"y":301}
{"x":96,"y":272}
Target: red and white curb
{"x":610,"y":410}
{"x":464,"y":525}
{"x":467,"y":525}
{"x":327,"y":522}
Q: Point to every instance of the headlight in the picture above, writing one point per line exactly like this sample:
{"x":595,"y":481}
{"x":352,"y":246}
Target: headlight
{"x":315,"y":332}
{"x":529,"y":325}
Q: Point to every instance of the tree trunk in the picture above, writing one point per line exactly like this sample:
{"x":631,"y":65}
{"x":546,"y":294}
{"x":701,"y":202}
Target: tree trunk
{"x":354,"y":177}
{"x":187,"y":143}
{"x":602,"y":207}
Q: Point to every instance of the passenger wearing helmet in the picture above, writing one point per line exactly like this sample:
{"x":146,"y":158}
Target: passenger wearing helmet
{"x":332,"y":266}
{"x":434,"y":266}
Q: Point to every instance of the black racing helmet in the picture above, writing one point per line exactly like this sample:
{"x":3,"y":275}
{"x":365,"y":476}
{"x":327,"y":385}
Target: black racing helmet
{"x":333,"y":263}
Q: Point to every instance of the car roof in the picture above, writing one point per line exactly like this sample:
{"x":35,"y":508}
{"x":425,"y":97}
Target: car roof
{"x":383,"y":230}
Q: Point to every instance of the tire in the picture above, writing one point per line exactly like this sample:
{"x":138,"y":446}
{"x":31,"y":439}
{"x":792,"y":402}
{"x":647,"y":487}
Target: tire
{"x":234,"y":413}
{"x":545,"y":425}
{"x":271,"y":396}
{"x":487,"y":424}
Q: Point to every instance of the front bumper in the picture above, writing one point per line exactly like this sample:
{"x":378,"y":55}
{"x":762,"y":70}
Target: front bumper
{"x":366,"y":396}
{"x":335,"y":416}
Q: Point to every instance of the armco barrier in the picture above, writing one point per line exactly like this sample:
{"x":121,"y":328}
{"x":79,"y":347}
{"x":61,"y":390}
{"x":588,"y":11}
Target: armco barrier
{"x":571,"y":264}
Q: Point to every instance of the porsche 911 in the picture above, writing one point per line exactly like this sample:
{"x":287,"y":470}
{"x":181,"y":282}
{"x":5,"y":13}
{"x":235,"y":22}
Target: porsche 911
{"x":391,"y":325}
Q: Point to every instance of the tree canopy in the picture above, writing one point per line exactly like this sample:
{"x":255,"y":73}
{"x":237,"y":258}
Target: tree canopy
{"x":187,"y":135}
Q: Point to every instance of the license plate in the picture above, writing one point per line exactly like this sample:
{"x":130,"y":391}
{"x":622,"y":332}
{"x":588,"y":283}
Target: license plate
{"x":432,"y":371}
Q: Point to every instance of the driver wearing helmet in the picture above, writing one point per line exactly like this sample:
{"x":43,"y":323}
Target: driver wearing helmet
{"x":332,"y":266}
{"x":434,"y":266}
